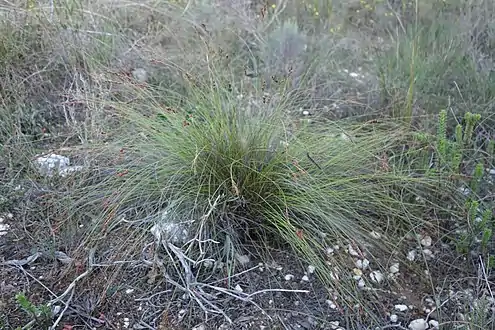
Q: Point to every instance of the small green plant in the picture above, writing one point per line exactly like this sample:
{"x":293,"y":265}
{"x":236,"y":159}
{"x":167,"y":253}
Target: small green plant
{"x":460,"y":159}
{"x":40,"y":314}
{"x":477,"y":232}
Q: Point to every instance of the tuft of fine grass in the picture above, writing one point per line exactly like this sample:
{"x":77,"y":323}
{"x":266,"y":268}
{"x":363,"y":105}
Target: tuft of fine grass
{"x":225,"y":172}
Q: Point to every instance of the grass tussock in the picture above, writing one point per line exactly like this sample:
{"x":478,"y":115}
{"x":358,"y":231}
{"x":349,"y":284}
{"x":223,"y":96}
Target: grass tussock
{"x":226,"y":175}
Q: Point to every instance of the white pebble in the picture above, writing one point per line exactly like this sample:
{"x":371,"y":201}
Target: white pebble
{"x":394,"y":268}
{"x":434,"y":324}
{"x":129,"y":291}
{"x":352,"y":252}
{"x":394,"y":318}
{"x":331,"y":304}
{"x":311,"y":269}
{"x":238,"y":288}
{"x":411,"y":255}
{"x":242,"y":259}
{"x":10,"y":215}
{"x":289,"y":277}
{"x":426,"y":241}
{"x":361,"y":284}
{"x":418,"y":324}
{"x":376,"y":276}
{"x":305,"y":113}
{"x":428,"y":252}
{"x":401,"y":308}
{"x":329,"y":251}
{"x":4,"y":228}
{"x":357,"y":272}
{"x":126,"y":322}
{"x":56,"y":309}
{"x":305,"y":278}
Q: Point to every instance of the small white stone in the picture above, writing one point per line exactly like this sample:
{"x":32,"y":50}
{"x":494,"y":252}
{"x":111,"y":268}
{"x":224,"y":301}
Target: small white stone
{"x":311,"y":269}
{"x":428,"y":252}
{"x":401,"y":308}
{"x":418,"y":324}
{"x":434,"y":324}
{"x":4,"y":229}
{"x":305,"y":278}
{"x":238,"y":288}
{"x":242,"y":259}
{"x":305,"y":113}
{"x":426,"y":241}
{"x":331,"y":304}
{"x":394,"y":268}
{"x":129,"y":291}
{"x":394,"y":318}
{"x":289,"y":277}
{"x":10,"y":215}
{"x":365,"y":264}
{"x":56,"y":309}
{"x":126,"y":322}
{"x":376,"y":276}
{"x":357,"y":272}
{"x":411,"y":255}
{"x":492,"y":171}
{"x":329,"y":251}
{"x":361,"y":284}
{"x":334,"y":325}
{"x":352,"y":252}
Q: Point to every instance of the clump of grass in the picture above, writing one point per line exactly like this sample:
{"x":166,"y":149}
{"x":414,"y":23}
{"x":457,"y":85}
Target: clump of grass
{"x":234,"y":175}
